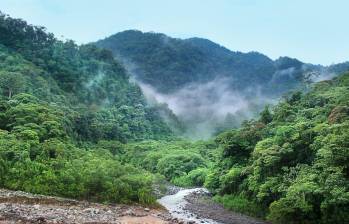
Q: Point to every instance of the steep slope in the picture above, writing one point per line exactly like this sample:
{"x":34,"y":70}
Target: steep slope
{"x":66,"y":111}
{"x":83,"y":78}
{"x":290,"y":165}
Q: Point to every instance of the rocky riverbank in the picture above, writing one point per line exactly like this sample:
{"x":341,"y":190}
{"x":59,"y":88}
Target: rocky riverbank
{"x":201,"y":204}
{"x":21,"y":207}
{"x":185,"y":206}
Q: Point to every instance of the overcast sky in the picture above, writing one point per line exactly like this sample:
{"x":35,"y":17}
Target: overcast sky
{"x":315,"y":31}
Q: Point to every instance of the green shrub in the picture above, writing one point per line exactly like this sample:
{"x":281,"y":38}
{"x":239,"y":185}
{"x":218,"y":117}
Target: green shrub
{"x":241,"y":204}
{"x":193,"y":178}
{"x":175,"y":165}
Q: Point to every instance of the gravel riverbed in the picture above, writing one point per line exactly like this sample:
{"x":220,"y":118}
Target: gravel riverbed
{"x":184,"y":206}
{"x":21,"y":207}
{"x":196,"y":206}
{"x":201,"y":204}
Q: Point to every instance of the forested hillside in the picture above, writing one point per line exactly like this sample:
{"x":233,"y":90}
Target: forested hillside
{"x":169,"y":64}
{"x":290,"y":165}
{"x":65,"y":112}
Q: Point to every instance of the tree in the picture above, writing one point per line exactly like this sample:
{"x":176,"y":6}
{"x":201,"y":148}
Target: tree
{"x":11,"y":83}
{"x":265,"y":116}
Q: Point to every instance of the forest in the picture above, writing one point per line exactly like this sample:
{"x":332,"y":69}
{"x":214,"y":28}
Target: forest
{"x":73,"y":124}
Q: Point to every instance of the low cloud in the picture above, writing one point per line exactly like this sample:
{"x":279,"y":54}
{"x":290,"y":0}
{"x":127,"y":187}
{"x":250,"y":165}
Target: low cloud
{"x":95,"y":80}
{"x":322,"y":76}
{"x":204,"y":107}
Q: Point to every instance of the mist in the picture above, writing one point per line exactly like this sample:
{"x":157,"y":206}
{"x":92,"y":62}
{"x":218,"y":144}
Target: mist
{"x":322,"y":76}
{"x":96,"y":79}
{"x":205,"y":108}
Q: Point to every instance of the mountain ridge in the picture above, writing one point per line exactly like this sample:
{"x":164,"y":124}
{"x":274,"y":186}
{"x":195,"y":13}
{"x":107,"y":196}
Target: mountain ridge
{"x":136,"y":39}
{"x":221,"y":86}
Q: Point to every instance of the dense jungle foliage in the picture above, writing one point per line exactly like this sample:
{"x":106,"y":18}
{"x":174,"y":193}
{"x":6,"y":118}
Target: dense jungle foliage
{"x":58,"y":102}
{"x":72,"y":124}
{"x":291,"y":165}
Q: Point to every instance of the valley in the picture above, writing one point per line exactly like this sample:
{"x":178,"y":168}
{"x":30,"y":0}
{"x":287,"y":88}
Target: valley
{"x":99,"y":132}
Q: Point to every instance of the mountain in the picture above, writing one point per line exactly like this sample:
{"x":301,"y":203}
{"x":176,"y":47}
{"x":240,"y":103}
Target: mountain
{"x":207,"y":86}
{"x":169,"y":64}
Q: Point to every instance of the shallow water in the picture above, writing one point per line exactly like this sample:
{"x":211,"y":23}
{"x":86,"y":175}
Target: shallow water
{"x":175,"y":205}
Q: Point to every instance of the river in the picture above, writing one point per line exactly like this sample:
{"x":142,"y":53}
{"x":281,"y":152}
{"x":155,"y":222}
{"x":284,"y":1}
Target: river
{"x":176,"y":203}
{"x":196,"y":206}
